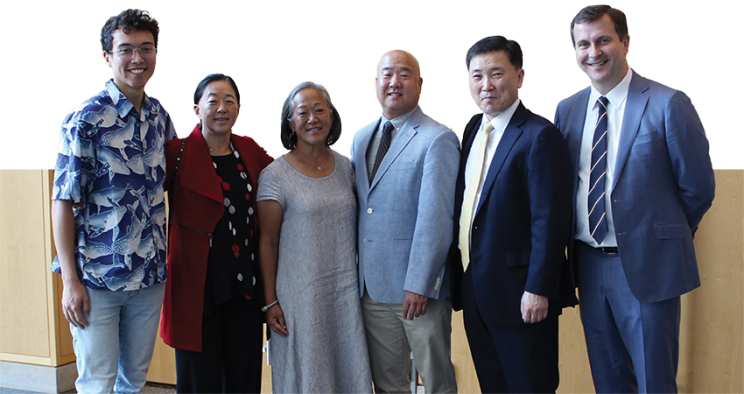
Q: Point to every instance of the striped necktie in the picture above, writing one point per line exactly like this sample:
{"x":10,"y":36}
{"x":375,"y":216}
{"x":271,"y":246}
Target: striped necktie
{"x":597,"y":177}
{"x":468,"y":202}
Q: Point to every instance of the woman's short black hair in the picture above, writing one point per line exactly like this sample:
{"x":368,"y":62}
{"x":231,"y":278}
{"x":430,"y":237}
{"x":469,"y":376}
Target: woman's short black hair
{"x":212,"y":78}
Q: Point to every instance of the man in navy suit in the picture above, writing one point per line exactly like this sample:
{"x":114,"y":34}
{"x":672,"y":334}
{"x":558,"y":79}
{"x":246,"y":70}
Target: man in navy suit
{"x":513,"y":206}
{"x":643,"y":180}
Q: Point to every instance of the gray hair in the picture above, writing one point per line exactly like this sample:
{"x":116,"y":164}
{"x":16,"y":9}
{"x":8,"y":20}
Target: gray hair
{"x":287,"y":137}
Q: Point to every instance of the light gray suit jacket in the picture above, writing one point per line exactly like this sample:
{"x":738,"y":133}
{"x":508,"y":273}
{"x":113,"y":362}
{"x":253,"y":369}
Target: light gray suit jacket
{"x":406,"y":214}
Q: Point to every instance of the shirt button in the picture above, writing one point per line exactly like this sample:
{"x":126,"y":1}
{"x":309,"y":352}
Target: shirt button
{"x":369,"y":210}
{"x":240,"y":277}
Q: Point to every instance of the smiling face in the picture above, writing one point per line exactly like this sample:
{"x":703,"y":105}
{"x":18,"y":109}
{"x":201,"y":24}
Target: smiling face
{"x":218,"y":108}
{"x":494,"y":82}
{"x":398,"y":83}
{"x":311,"y":118}
{"x":601,"y":53}
{"x":130,"y":76}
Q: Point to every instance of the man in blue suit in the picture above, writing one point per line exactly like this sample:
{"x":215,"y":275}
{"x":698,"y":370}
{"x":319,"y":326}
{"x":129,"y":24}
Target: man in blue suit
{"x":643,"y":180}
{"x":513,"y":205}
{"x":406,"y":167}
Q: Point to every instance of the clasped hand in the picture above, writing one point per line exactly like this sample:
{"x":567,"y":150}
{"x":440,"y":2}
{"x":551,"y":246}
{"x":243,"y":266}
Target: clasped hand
{"x":534,"y":307}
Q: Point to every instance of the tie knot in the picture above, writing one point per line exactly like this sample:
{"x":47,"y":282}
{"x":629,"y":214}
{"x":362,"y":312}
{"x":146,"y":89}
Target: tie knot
{"x":487,"y":127}
{"x":604,"y":101}
{"x":388,"y":128}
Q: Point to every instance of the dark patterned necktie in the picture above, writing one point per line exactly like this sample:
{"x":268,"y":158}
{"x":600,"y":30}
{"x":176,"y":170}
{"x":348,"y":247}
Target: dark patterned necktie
{"x":387,"y":136}
{"x":597,"y":177}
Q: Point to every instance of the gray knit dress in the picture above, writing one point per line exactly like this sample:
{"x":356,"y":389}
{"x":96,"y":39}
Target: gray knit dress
{"x":316,"y":282}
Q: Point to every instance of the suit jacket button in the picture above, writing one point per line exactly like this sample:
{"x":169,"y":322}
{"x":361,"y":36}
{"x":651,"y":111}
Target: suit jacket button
{"x":369,"y":210}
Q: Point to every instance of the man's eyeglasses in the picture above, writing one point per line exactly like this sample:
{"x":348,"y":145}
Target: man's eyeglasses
{"x":145,"y":51}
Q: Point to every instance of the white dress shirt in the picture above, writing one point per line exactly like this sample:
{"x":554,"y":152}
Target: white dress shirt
{"x":615,"y":111}
{"x":499,"y":123}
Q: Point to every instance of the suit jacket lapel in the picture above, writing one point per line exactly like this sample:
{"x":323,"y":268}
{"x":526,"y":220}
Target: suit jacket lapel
{"x":635,"y":105}
{"x":404,"y":136}
{"x":510,"y":137}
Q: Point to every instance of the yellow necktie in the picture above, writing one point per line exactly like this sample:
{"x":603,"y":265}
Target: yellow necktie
{"x":468,"y":203}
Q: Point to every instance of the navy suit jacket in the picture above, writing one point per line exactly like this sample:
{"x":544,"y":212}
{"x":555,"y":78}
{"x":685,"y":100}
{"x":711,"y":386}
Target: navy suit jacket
{"x":522,"y":223}
{"x":663,"y":184}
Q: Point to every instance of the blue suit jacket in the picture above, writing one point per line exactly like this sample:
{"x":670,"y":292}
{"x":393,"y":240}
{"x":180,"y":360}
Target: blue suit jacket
{"x":663,"y":184}
{"x":522,"y":224}
{"x":405,"y":215}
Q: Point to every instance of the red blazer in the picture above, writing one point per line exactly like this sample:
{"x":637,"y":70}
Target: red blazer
{"x":196,"y":203}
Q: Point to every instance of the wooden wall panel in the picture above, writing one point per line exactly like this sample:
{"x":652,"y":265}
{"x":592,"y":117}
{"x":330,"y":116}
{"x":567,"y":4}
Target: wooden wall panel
{"x":711,"y":340}
{"x":24,"y":326}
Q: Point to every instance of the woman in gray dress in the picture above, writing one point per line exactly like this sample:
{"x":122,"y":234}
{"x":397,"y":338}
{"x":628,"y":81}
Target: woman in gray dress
{"x":307,"y":221}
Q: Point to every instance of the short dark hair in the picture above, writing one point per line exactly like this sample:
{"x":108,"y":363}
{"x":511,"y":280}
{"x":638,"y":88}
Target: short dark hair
{"x":495,"y":44}
{"x":128,"y":20}
{"x":289,"y":139}
{"x":212,"y":78}
{"x":596,"y":12}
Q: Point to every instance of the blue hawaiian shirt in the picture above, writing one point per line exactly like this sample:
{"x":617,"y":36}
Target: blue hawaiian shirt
{"x":112,"y":161}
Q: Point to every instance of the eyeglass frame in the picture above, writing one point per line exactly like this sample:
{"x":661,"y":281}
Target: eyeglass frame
{"x":131,"y":56}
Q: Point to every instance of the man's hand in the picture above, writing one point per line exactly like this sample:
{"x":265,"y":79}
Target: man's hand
{"x":414,"y":305}
{"x":75,"y":303}
{"x":534,"y":307}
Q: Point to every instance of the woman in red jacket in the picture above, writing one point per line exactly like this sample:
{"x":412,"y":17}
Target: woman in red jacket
{"x":213,"y":298}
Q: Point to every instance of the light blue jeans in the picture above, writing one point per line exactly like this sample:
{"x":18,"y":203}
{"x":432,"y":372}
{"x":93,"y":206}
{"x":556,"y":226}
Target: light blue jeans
{"x":115,"y":349}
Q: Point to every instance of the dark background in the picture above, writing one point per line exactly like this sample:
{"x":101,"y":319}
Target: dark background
{"x":269,"y":51}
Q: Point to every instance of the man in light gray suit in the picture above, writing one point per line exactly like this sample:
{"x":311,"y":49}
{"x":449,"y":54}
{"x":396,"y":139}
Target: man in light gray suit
{"x":406,"y":167}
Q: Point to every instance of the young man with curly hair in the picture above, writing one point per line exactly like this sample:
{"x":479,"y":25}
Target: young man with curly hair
{"x":109,"y":214}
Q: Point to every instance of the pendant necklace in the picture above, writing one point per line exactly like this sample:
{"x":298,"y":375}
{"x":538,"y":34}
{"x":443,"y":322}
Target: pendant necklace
{"x":320,"y":166}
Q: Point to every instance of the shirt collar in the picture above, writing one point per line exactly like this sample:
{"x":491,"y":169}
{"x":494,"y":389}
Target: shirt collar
{"x":500,"y":121}
{"x":120,"y":101}
{"x":617,"y":95}
{"x":399,"y":121}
